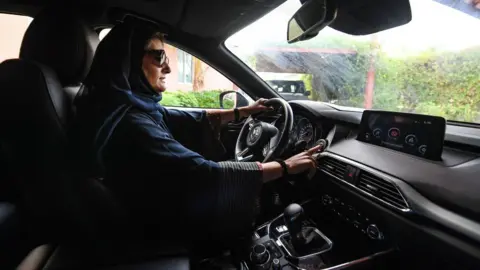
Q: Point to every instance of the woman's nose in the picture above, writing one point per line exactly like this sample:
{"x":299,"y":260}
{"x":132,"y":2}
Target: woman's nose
{"x":166,"y":68}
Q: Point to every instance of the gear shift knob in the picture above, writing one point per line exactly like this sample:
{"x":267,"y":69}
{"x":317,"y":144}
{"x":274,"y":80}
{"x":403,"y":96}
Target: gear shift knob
{"x":293,"y":217}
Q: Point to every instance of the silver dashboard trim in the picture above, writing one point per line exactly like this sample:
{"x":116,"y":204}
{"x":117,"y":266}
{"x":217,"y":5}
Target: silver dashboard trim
{"x":371,"y":171}
{"x":422,"y":206}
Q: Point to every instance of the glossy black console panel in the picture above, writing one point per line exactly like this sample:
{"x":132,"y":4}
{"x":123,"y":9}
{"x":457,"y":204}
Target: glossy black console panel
{"x":347,"y":236}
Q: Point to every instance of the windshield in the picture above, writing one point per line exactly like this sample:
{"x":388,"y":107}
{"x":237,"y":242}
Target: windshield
{"x":429,"y":66}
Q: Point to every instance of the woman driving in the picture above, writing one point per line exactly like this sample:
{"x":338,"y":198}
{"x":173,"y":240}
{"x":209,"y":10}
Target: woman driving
{"x":154,"y":159}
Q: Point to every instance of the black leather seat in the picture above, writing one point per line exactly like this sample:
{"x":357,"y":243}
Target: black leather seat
{"x":35,"y":110}
{"x":36,"y":94}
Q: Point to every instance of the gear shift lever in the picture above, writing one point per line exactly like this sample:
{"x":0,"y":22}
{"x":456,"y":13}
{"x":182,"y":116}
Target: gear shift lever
{"x":302,"y":241}
{"x":293,"y":216}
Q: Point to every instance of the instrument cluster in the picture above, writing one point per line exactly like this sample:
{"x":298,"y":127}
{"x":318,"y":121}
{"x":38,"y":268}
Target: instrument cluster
{"x":304,"y":132}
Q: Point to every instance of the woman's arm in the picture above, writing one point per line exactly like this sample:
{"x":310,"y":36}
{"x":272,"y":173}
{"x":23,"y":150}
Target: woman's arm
{"x":225,"y":116}
{"x":226,"y":191}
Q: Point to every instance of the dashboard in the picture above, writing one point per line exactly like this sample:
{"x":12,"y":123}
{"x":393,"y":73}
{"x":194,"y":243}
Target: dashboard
{"x":433,"y":197}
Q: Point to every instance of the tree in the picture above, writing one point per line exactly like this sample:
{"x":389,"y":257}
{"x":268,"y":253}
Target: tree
{"x":199,"y":70}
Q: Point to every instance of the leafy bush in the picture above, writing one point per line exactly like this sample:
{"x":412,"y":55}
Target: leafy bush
{"x":446,"y":84}
{"x":436,"y":83}
{"x":200,"y":99}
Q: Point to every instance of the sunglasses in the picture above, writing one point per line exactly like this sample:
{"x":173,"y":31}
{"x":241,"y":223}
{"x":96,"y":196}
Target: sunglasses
{"x":159,"y":55}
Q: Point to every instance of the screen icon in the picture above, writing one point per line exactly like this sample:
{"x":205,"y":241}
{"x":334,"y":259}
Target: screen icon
{"x":422,"y":149}
{"x":411,"y":140}
{"x":394,"y":133}
{"x":377,"y":133}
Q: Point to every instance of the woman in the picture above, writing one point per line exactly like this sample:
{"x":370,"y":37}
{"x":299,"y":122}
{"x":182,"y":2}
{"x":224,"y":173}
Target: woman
{"x":149,"y":155}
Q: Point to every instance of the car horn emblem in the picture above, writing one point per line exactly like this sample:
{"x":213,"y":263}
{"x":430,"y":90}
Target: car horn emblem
{"x":255,"y":134}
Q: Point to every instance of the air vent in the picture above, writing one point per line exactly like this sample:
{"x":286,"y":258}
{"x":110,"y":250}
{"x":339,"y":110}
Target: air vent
{"x":333,"y":166}
{"x":381,"y":189}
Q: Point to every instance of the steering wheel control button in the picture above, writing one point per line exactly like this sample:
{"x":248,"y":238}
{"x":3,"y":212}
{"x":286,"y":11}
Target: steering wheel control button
{"x":377,"y":133}
{"x":422,"y":149}
{"x":374,"y":233}
{"x":394,"y":133}
{"x":411,"y":140}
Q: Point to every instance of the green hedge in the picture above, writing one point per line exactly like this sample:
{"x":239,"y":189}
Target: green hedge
{"x":446,"y":84}
{"x":200,"y":99}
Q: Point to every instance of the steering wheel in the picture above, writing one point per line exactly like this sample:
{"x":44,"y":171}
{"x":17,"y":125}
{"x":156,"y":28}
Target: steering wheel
{"x":262,"y":141}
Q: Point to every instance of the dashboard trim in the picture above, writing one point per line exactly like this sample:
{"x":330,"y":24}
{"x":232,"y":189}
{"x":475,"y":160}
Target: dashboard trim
{"x":374,"y":172}
{"x":422,"y":206}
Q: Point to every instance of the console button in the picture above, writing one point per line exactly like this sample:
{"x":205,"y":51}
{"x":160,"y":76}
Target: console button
{"x":273,"y":249}
{"x":276,"y":264}
{"x":374,"y":233}
{"x":269,"y":245}
{"x":350,"y":174}
{"x":326,"y":200}
{"x":377,"y":133}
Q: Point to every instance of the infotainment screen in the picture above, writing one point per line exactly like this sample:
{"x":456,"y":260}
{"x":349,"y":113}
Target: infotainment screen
{"x":415,"y":134}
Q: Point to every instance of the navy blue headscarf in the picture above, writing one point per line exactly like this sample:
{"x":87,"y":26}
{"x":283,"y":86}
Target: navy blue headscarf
{"x":114,"y":85}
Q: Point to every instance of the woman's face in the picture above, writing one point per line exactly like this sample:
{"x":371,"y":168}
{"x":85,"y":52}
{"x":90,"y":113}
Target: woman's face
{"x":154,"y":72}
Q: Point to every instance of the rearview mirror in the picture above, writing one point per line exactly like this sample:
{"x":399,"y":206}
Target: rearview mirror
{"x":310,"y":18}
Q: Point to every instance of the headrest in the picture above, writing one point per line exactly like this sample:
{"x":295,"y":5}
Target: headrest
{"x":63,"y":42}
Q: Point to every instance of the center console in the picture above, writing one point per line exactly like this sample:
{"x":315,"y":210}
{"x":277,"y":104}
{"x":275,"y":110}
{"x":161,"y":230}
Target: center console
{"x":325,"y":233}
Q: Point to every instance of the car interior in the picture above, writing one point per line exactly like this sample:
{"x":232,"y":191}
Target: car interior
{"x":369,"y":205}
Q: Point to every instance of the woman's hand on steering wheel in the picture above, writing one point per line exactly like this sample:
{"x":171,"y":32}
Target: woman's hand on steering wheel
{"x":257,"y":107}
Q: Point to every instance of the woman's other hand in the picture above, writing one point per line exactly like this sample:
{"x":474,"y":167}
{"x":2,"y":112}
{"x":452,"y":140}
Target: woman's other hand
{"x":258,"y":106}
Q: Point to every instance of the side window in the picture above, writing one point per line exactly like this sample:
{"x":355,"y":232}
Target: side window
{"x":12,"y":29}
{"x":185,"y":67}
{"x":191,"y":83}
